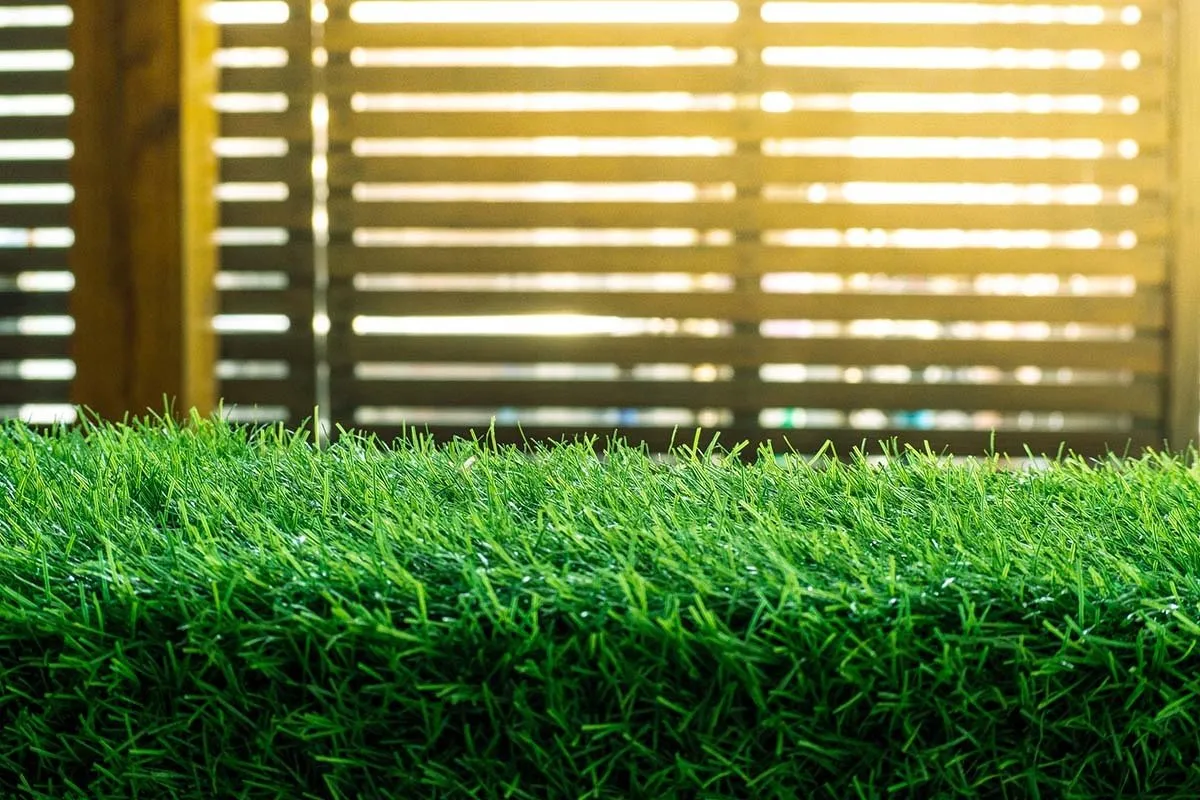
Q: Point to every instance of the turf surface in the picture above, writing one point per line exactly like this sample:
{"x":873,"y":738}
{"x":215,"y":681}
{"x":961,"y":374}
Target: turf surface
{"x":206,"y":611}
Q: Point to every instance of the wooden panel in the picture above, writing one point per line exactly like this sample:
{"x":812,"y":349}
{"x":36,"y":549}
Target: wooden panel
{"x":1144,"y":355}
{"x":804,"y":441}
{"x":1144,"y":399}
{"x":1147,"y":219}
{"x":1183,"y":417}
{"x":1148,"y":128}
{"x":345,"y":169}
{"x":1147,"y":264}
{"x":1145,"y":309}
{"x":143,"y":213}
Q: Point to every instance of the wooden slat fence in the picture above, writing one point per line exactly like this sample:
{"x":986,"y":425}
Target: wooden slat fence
{"x":266,"y":257}
{"x":35,"y":190}
{"x":803,"y":220}
{"x":790,"y":221}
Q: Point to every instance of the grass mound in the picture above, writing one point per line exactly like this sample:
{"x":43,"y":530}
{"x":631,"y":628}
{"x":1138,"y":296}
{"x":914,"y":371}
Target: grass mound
{"x":207,"y":611}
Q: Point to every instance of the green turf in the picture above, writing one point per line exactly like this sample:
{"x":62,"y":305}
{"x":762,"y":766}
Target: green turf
{"x":207,"y":612}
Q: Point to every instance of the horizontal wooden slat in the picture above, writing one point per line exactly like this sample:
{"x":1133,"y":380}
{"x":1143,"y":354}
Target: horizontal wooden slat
{"x":34,"y":172}
{"x":293,"y":394}
{"x":296,"y":33}
{"x":1144,"y":399}
{"x":292,"y":302}
{"x":804,"y":441}
{"x":342,"y":34}
{"x":33,"y":127}
{"x":28,"y":259}
{"x":295,"y":258}
{"x":1147,"y":219}
{"x":18,"y":391}
{"x":1143,"y":355}
{"x":293,"y":346}
{"x":1148,"y":83}
{"x":293,"y":213}
{"x":20,"y":304}
{"x":1145,"y":309}
{"x":16,"y":347}
{"x":1145,"y":263}
{"x":293,"y":169}
{"x":292,"y":78}
{"x":346,"y":169}
{"x":292,"y":124}
{"x":32,"y":83}
{"x":1148,"y":128}
{"x":28,"y":38}
{"x":35,"y":215}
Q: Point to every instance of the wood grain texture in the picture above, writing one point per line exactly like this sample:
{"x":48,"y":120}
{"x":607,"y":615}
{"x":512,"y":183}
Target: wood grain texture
{"x":144,"y":213}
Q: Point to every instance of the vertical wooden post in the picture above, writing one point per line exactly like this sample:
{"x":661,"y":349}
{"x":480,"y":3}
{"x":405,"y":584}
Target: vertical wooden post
{"x":1183,"y":399}
{"x":144,"y":211}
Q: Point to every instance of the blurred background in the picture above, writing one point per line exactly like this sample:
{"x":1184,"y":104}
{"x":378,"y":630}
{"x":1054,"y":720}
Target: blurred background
{"x":808,"y":221}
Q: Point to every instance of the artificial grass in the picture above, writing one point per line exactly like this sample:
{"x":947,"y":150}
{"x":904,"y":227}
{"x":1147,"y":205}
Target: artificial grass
{"x":205,"y":611}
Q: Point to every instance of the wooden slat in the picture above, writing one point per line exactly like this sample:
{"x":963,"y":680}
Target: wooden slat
{"x":31,"y":304}
{"x":1147,"y":264}
{"x":1148,"y":83}
{"x":31,"y":83}
{"x":40,"y":38}
{"x":292,"y":213}
{"x":342,"y":34}
{"x":33,"y":127}
{"x":14,"y":260}
{"x":21,"y":346}
{"x":1145,"y":309}
{"x":292,"y":124}
{"x":295,"y":258}
{"x":1149,"y":128}
{"x":292,"y":346}
{"x":292,"y":394}
{"x":346,"y":169}
{"x":292,"y":302}
{"x":804,"y":441}
{"x":1144,"y":355}
{"x":293,"y":169}
{"x":1143,"y":399}
{"x":295,"y":34}
{"x":33,"y":172}
{"x":290,"y":78}
{"x":1147,"y":219}
{"x":21,"y":392}
{"x":1182,"y":426}
{"x":35,"y":215}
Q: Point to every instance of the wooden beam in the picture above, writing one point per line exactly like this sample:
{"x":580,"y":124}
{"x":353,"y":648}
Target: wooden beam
{"x":144,"y":211}
{"x":1183,"y":402}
